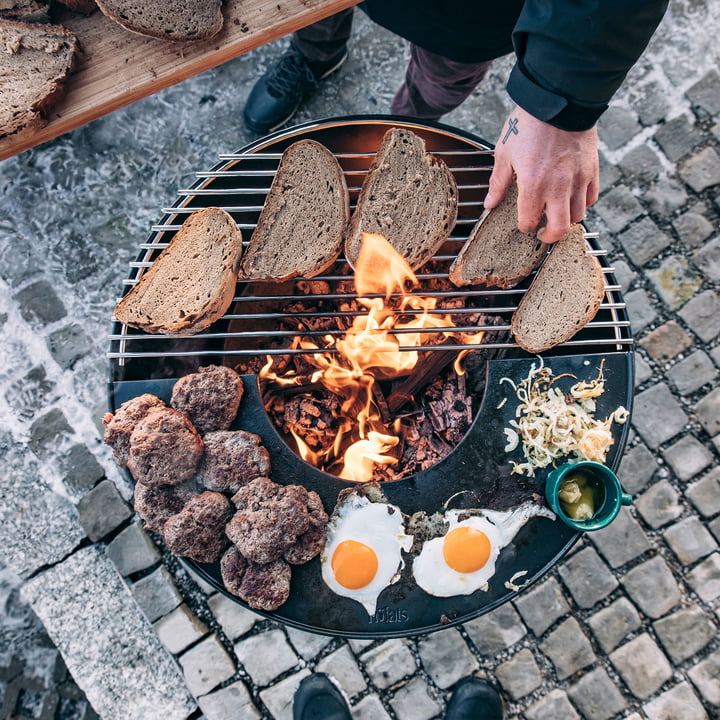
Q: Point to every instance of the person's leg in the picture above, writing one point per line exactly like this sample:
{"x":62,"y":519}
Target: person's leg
{"x":323,"y":40}
{"x":434,"y":85}
{"x":318,"y":699}
{"x":474,"y":699}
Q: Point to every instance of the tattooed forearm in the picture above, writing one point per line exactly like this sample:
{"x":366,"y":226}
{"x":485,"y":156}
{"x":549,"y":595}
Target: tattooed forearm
{"x":512,"y":129}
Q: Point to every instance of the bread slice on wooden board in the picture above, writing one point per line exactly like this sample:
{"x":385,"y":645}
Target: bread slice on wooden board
{"x":409,"y":197}
{"x":497,"y":254}
{"x":300,"y":229}
{"x":36,"y":60}
{"x":192,"y":282}
{"x":167,"y":19}
{"x":25,"y":10}
{"x":563,"y":297}
{"x":82,"y":6}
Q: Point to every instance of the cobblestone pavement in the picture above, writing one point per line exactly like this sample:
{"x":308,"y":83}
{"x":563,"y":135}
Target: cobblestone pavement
{"x":625,"y":627}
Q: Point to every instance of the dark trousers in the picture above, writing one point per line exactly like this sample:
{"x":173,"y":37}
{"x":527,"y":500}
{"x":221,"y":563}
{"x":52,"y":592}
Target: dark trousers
{"x":433,"y":84}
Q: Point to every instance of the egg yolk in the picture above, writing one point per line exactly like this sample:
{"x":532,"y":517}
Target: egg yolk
{"x":466,"y":549}
{"x":354,"y":564}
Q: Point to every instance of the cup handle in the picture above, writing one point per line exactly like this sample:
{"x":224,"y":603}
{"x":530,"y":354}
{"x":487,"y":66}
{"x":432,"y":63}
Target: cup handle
{"x":626,"y":499}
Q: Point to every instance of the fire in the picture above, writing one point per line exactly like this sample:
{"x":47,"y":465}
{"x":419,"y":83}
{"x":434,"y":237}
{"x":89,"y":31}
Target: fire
{"x":351,"y":367}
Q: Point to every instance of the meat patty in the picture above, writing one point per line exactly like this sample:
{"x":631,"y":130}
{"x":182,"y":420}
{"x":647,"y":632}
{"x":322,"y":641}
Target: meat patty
{"x":156,"y":505}
{"x":263,"y":587}
{"x":312,"y":541}
{"x":165,"y":448}
{"x":197,"y":531}
{"x":119,"y":427}
{"x":232,"y":459}
{"x":210,"y":397}
{"x":269,"y":519}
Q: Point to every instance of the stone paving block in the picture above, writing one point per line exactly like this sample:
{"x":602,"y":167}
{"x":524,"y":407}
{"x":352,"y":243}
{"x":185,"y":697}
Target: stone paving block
{"x":687,"y":457}
{"x":69,"y":344}
{"x":617,"y":126}
{"x":31,"y":393}
{"x":541,"y":605}
{"x":568,"y":648}
{"x":621,"y":541}
{"x":307,"y":644}
{"x":708,"y":411}
{"x":596,"y":696}
{"x":102,"y":510}
{"x":707,"y":260}
{"x":80,"y":470}
{"x":84,"y":597}
{"x":665,"y":196}
{"x":624,"y":274}
{"x":666,"y":342}
{"x":659,"y":505}
{"x":678,"y":703}
{"x":677,"y":137}
{"x":705,"y":676}
{"x":253,"y":653}
{"x":519,"y":675}
{"x":553,"y":706}
{"x":693,"y":227}
{"x":650,"y":102}
{"x":342,"y":666}
{"x":640,"y":311}
{"x":641,"y":163}
{"x":156,"y":593}
{"x":704,"y":494}
{"x":493,"y":632}
{"x":685,"y":632}
{"x":618,"y":207}
{"x":389,"y":662}
{"x":657,"y":415}
{"x":587,"y":578}
{"x":704,"y":578}
{"x":39,"y":304}
{"x":414,"y":702}
{"x":279,"y":697}
{"x":637,"y":468}
{"x":642,"y":665}
{"x":357,"y":645}
{"x":613,"y":624}
{"x":48,"y":432}
{"x":446,"y":657}
{"x":691,"y":373}
{"x":701,"y":170}
{"x":179,"y":629}
{"x":609,"y":175}
{"x":689,"y":540}
{"x":643,"y":241}
{"x":132,"y":550}
{"x":705,"y":93}
{"x":701,"y":314}
{"x":370,"y":708}
{"x":228,"y":703}
{"x":643,"y":371}
{"x":234,"y":619}
{"x":652,"y":587}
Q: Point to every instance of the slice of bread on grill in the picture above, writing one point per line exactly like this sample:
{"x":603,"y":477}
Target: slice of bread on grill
{"x":409,"y":197}
{"x":300,"y":229}
{"x":563,"y":297}
{"x":192,"y":281}
{"x":497,"y":254}
{"x":25,"y":10}
{"x":167,"y":19}
{"x":36,"y":60}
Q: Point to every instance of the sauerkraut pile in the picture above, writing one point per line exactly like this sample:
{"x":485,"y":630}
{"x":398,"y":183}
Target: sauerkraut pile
{"x":551,"y":424}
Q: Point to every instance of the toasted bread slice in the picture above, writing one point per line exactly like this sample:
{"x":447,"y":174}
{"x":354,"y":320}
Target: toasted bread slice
{"x":497,"y":254}
{"x":300,"y":229}
{"x":192,"y":282}
{"x":563,"y":297}
{"x":36,"y":60}
{"x":409,"y":197}
{"x":167,"y":19}
{"x":25,"y":10}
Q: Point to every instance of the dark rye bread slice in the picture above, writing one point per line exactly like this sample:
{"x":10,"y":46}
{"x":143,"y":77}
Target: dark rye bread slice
{"x":166,"y":19}
{"x":409,"y":197}
{"x":192,"y":282}
{"x":86,"y":7}
{"x":36,"y":60}
{"x":564,"y":296}
{"x":497,"y":254}
{"x":25,"y":10}
{"x":300,"y":229}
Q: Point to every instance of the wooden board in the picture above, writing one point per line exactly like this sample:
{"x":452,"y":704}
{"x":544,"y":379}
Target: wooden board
{"x":119,"y":67}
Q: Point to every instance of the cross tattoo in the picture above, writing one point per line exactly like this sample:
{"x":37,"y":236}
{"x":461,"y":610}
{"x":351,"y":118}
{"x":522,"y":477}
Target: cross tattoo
{"x":512,"y":129}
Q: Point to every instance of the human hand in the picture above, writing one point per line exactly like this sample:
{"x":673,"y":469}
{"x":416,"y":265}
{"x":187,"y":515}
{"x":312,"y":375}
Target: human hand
{"x":557,"y":173}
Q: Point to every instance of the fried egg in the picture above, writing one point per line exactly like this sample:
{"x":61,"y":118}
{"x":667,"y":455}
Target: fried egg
{"x":463,"y":560}
{"x":362,"y":549}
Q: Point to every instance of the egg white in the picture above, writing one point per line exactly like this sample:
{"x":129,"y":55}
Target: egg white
{"x":380,"y":527}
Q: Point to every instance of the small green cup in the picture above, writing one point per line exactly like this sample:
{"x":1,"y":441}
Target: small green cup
{"x":607,"y":491}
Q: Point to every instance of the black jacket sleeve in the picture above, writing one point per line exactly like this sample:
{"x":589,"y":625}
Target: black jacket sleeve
{"x":573,"y":55}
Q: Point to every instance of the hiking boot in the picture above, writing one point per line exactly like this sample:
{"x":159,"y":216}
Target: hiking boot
{"x":277,"y":95}
{"x":318,"y":699}
{"x":474,"y":699}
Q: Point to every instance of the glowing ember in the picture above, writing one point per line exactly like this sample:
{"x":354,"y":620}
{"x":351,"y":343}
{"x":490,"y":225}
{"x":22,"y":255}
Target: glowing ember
{"x":369,"y":352}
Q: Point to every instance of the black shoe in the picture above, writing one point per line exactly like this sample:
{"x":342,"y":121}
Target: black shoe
{"x":277,"y":95}
{"x":474,"y":699}
{"x":318,"y":699}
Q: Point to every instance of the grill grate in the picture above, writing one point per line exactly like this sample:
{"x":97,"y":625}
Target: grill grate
{"x":239,"y":184}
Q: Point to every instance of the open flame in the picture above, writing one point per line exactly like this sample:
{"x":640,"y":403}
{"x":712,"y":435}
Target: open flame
{"x":370,"y":351}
